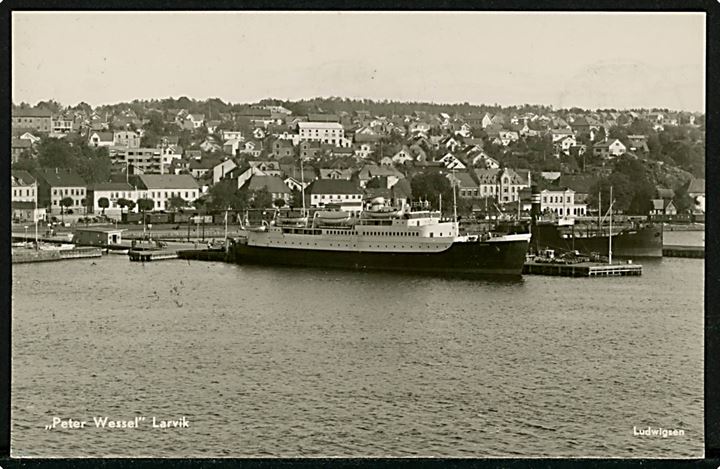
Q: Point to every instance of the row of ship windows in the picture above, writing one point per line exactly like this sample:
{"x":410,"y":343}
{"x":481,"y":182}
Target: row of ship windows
{"x":354,"y":245}
{"x":375,"y":233}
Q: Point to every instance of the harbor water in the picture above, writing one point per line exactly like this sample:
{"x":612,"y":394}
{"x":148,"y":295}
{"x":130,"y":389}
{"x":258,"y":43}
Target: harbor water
{"x":268,"y":361}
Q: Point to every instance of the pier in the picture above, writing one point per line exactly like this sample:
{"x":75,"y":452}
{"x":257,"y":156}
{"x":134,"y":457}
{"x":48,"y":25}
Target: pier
{"x":216,"y":255}
{"x":695,"y":252}
{"x":581,"y":269}
{"x":28,"y":256}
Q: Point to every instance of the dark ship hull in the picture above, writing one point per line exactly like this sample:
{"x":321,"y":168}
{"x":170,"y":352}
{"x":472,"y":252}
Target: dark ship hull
{"x":504,"y":258}
{"x":642,"y":241}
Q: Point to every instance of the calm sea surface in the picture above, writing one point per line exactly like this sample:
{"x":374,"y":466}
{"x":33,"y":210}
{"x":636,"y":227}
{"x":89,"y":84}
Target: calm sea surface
{"x":292,"y":362}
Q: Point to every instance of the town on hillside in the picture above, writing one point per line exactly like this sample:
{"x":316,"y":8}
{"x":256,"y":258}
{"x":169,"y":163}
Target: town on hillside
{"x":183,"y":155}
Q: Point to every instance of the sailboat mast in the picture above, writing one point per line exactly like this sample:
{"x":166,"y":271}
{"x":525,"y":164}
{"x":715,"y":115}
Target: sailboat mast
{"x":610,"y":234}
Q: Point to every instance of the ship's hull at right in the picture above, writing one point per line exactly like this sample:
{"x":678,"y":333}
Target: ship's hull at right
{"x":645,"y":241}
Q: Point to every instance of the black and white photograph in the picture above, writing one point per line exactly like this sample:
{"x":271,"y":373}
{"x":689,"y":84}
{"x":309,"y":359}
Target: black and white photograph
{"x":358,"y":234}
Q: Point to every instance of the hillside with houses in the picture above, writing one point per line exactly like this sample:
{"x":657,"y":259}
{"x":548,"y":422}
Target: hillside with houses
{"x":178,"y":154}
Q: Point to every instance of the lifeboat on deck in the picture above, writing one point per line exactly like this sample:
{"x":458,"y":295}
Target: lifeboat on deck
{"x":333,"y":217}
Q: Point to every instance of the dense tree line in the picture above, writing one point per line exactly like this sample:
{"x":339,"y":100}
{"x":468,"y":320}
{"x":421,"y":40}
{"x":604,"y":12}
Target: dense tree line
{"x":91,"y":164}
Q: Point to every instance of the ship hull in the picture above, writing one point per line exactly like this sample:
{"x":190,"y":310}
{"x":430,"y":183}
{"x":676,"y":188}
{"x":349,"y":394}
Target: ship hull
{"x":641,"y":242}
{"x":477,"y":258}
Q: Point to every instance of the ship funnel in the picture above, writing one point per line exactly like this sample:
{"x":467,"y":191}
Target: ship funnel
{"x":535,"y":203}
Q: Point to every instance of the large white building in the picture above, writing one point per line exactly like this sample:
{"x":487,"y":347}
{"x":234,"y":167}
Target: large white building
{"x":323,"y":132}
{"x":162,"y":187}
{"x":342,"y":193}
{"x":561,"y":203}
{"x":24,"y":197}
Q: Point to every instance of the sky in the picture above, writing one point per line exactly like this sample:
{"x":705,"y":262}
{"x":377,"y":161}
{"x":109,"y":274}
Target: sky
{"x":589,"y":60}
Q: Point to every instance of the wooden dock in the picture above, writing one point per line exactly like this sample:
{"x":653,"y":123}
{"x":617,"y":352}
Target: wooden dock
{"x":582,"y":269}
{"x":28,"y":256}
{"x":150,"y":255}
{"x":695,"y":252}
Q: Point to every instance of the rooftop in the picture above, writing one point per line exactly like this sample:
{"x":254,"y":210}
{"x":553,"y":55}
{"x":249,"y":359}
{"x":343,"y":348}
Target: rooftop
{"x":31,"y":113}
{"x":56,"y":177}
{"x":319,"y":125}
{"x":168,"y":181}
{"x":334,"y":186}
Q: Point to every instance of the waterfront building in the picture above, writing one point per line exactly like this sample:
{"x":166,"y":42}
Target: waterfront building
{"x":562,"y":203}
{"x":24,"y":197}
{"x":504,"y":184}
{"x":465,"y":185}
{"x":55,"y":184}
{"x":342,"y":193}
{"x":273,"y":184}
{"x":39,"y":120}
{"x":162,"y":187}
{"x":99,"y":236}
{"x":112,"y":191}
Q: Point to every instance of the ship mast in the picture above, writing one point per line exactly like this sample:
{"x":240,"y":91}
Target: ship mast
{"x":302,"y":183}
{"x":454,"y":198}
{"x":610,"y":233}
{"x":35,"y":217}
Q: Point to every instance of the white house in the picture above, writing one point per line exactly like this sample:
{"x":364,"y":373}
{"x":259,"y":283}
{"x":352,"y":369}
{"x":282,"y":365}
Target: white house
{"x":561,"y":203}
{"x":450,"y":161}
{"x":101,"y":139}
{"x":221,"y":169}
{"x":564,"y":144}
{"x":402,"y":156}
{"x":162,"y":187}
{"x":609,"y":149}
{"x":340,"y":192}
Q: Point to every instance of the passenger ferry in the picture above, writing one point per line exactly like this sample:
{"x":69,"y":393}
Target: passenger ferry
{"x":382,"y":239}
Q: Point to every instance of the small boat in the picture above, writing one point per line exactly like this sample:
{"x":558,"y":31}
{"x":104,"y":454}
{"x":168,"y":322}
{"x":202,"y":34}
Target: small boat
{"x":292,"y":218}
{"x":384,"y":213}
{"x":55,"y":247}
{"x":333,"y":217}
